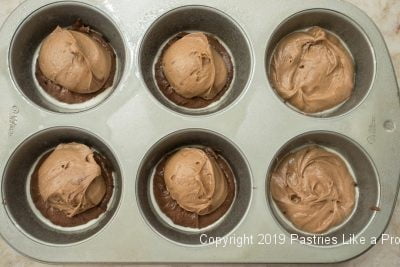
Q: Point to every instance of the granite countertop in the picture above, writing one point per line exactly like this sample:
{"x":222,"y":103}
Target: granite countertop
{"x":386,"y":14}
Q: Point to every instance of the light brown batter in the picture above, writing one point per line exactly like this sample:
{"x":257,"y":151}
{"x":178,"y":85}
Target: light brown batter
{"x":195,"y":181}
{"x":70,"y":179}
{"x":314,"y":189}
{"x":75,"y":61}
{"x":194,"y":68}
{"x":312,"y":70}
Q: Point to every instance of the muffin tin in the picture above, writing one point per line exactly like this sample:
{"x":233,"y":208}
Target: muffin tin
{"x":135,"y":126}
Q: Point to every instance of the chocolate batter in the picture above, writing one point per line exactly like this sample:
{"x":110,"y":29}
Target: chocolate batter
{"x":181,"y":216}
{"x":195,"y":102}
{"x":314,"y":189}
{"x":312,"y":70}
{"x":59,"y":218}
{"x":61,"y":93}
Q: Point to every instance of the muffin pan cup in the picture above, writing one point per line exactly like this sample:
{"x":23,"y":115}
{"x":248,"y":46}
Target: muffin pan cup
{"x":42,"y":22}
{"x":131,"y":121}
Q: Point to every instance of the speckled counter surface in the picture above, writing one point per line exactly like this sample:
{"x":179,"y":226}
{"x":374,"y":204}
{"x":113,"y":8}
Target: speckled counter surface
{"x":386,"y":14}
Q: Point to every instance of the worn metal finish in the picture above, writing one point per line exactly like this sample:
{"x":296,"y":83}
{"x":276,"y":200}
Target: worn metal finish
{"x":251,"y":125}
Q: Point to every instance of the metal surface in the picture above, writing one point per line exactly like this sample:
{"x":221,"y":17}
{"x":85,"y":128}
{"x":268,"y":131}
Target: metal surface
{"x":251,"y":125}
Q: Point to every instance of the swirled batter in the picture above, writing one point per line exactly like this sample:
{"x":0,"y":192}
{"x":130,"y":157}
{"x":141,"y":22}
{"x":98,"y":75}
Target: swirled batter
{"x":312,"y":70}
{"x":194,"y":187}
{"x":314,"y":189}
{"x":70,"y":179}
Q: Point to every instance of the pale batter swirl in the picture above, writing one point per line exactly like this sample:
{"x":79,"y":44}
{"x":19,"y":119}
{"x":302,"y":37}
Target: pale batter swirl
{"x":314,"y":189}
{"x":195,"y":181}
{"x":312,"y":70}
{"x":70,"y":179}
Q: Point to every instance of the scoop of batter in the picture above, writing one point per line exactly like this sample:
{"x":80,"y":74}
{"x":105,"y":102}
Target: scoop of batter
{"x":75,"y":61}
{"x":314,"y":189}
{"x":194,"y":68}
{"x":312,"y":70}
{"x":195,"y":181}
{"x":70,"y":179}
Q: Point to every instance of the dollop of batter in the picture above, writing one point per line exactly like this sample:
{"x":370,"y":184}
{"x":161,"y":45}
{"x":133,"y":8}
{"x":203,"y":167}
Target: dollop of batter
{"x":194,"y":68}
{"x":70,"y":179}
{"x":195,"y":181}
{"x":314,"y":189}
{"x":312,"y":70}
{"x":75,"y":61}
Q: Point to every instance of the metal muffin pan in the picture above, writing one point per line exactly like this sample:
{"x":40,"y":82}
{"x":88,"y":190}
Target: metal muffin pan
{"x":19,"y":167}
{"x":185,"y":138}
{"x":199,"y":18}
{"x":362,"y":168}
{"x":251,"y":125}
{"x":354,"y":39}
{"x":41,"y":22}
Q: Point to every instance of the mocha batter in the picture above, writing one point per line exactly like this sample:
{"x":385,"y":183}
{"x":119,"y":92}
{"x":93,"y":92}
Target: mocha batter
{"x":314,"y":189}
{"x":186,"y":218}
{"x":312,"y":70}
{"x":195,"y":102}
{"x":60,"y":218}
{"x":64,"y":95}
